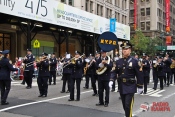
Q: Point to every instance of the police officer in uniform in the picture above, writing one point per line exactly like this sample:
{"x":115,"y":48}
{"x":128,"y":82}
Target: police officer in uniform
{"x":67,"y":71}
{"x":154,"y":61}
{"x":43,"y":75}
{"x":76,"y":76}
{"x":146,"y":70}
{"x":104,"y":78}
{"x":95,"y":78}
{"x":1,"y":55}
{"x":90,"y":71}
{"x":29,"y":68}
{"x":53,"y":65}
{"x":160,"y":74}
{"x":167,"y":62}
{"x":5,"y":81}
{"x":128,"y":68}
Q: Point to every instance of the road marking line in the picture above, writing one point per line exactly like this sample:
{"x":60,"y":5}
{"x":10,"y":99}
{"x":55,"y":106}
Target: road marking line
{"x":31,"y":103}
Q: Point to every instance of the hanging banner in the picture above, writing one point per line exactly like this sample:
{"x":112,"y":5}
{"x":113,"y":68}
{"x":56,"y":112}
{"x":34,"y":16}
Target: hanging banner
{"x":167,"y":10}
{"x":168,"y":40}
{"x":60,"y":14}
{"x":112,"y":24}
{"x":135,"y":14}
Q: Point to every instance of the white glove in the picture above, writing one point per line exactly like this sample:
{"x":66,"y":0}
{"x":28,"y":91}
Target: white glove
{"x":110,"y":84}
{"x":140,"y":90}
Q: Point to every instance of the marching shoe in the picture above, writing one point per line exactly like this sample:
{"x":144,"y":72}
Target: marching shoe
{"x":40,"y":95}
{"x":4,"y":103}
{"x":44,"y":95}
{"x":100,"y":104}
{"x":106,"y":105}
{"x":62,"y":91}
{"x":70,"y":99}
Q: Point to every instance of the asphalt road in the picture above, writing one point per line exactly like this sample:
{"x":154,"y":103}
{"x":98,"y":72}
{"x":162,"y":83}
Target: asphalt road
{"x":26,"y":103}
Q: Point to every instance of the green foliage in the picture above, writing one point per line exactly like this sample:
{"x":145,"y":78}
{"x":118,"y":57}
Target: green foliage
{"x":142,"y":44}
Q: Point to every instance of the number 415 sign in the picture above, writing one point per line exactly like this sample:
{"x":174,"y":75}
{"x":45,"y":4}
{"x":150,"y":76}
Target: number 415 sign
{"x":37,"y":7}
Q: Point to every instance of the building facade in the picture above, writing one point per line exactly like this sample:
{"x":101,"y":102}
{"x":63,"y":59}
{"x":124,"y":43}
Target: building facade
{"x":151,"y":18}
{"x":118,"y":9}
{"x":14,"y":30}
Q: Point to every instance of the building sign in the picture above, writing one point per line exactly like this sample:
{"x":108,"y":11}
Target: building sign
{"x":167,"y":10}
{"x":168,"y":40}
{"x":112,"y":24}
{"x":57,"y":13}
{"x":135,"y":14}
{"x":170,"y":47}
{"x":107,"y":41}
{"x":36,"y":44}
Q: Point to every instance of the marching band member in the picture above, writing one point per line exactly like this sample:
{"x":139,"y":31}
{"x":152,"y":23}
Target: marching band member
{"x":53,"y":65}
{"x":67,"y":71}
{"x":43,"y":75}
{"x":146,"y":69}
{"x":88,"y":73}
{"x":167,"y":62}
{"x":127,"y":68}
{"x":103,"y":79}
{"x":173,"y":69}
{"x":95,"y":78}
{"x":5,"y":81}
{"x":154,"y":61}
{"x":113,"y":76}
{"x":159,"y":70}
{"x":76,"y":76}
{"x":29,"y":68}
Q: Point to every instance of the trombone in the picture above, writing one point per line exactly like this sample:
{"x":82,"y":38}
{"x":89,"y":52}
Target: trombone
{"x":72,"y":60}
{"x":37,"y":61}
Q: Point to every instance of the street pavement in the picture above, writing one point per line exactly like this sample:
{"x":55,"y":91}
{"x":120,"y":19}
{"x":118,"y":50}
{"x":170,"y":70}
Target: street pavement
{"x":26,"y":103}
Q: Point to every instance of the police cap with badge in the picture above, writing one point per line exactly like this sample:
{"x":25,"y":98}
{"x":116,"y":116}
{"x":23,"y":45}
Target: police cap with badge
{"x":30,"y":50}
{"x":6,"y":52}
{"x":126,"y":44}
{"x":77,"y":53}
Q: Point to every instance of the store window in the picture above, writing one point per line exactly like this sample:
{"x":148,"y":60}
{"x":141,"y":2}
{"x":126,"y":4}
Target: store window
{"x":64,"y":1}
{"x":142,"y":11}
{"x":87,"y":5}
{"x":142,"y":25}
{"x":91,"y":6}
{"x":5,"y":42}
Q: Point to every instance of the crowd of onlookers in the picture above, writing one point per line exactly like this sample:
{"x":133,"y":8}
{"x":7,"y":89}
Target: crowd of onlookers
{"x":18,"y":63}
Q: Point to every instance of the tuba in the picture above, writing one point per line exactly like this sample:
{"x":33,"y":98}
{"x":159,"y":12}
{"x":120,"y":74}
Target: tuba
{"x":101,"y":70}
{"x":172,"y":66}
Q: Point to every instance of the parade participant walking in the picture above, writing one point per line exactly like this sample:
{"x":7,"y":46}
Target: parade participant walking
{"x":29,"y":68}
{"x":128,"y":68}
{"x":5,"y":81}
{"x":160,"y":74}
{"x":76,"y":76}
{"x":53,"y":65}
{"x":43,"y":75}
{"x":104,"y":66}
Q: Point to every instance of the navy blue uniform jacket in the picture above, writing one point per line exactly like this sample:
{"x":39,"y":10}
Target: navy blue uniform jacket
{"x":5,"y":68}
{"x":43,"y":68}
{"x":53,"y":64}
{"x":29,"y":61}
{"x":131,"y":70}
{"x":106,"y":75}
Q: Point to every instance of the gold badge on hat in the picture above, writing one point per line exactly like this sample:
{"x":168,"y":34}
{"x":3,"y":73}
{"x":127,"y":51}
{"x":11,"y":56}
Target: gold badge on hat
{"x":124,"y":44}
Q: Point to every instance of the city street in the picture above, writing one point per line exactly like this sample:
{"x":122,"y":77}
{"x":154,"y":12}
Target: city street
{"x":26,"y":103}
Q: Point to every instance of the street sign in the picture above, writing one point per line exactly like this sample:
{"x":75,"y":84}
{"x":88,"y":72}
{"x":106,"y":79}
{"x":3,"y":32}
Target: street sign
{"x":36,"y":44}
{"x":112,"y":24}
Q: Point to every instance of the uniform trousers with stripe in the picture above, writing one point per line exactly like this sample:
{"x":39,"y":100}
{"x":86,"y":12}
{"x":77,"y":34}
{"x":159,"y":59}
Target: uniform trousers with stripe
{"x":127,"y":101}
